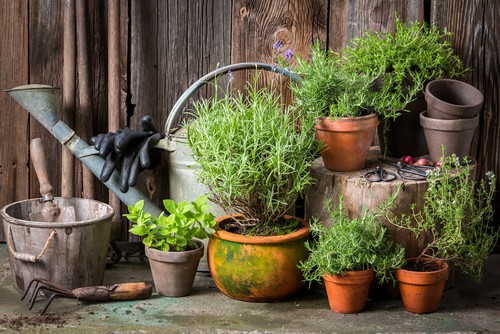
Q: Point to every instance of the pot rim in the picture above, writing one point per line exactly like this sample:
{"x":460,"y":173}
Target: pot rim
{"x":453,"y":125}
{"x":423,"y":277}
{"x":246,"y":239}
{"x":162,"y":256}
{"x":435,"y":101}
{"x":351,"y":275}
{"x":77,"y":223}
{"x":347,"y":124}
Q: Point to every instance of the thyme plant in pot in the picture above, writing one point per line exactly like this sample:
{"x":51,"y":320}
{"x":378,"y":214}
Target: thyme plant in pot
{"x":255,"y":161}
{"x":172,"y":242}
{"x":454,"y":218}
{"x":401,"y":64}
{"x":338,"y":99}
{"x":349,"y":254}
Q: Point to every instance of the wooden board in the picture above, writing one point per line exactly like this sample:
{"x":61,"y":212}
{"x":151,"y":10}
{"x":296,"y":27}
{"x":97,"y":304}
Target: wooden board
{"x":351,"y":18}
{"x":476,"y":33}
{"x":257,"y":24}
{"x":361,"y":195}
{"x":14,"y":170}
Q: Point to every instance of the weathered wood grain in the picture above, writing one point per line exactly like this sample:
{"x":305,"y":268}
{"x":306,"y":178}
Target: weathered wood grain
{"x":14,"y":169}
{"x":46,"y":67}
{"x":351,"y":18}
{"x":476,"y":33}
{"x":190,"y":39}
{"x":257,"y":24}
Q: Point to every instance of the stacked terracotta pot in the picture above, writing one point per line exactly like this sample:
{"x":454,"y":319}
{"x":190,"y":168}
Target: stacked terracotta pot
{"x":451,"y":118}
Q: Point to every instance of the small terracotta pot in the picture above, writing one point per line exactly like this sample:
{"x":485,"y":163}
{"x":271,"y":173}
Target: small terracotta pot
{"x":421,"y":291}
{"x":452,"y":99}
{"x":455,"y":134}
{"x":348,"y":293}
{"x":174,"y":272}
{"x":346,"y":141}
{"x":257,"y":268}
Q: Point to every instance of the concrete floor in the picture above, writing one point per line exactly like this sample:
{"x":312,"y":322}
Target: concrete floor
{"x":465,"y":308}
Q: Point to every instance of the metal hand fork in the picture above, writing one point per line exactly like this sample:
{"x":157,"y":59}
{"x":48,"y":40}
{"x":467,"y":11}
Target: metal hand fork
{"x":101,"y":293}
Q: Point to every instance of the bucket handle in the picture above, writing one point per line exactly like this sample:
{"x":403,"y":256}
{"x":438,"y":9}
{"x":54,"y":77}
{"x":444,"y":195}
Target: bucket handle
{"x":176,"y":109}
{"x":28,"y":257}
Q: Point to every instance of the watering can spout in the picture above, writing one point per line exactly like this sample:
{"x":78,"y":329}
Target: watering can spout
{"x":43,"y":103}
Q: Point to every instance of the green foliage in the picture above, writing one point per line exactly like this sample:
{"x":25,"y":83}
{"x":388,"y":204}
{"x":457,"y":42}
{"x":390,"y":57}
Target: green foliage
{"x":402,"y":62}
{"x":328,"y":88}
{"x":176,"y":231}
{"x":251,"y":155}
{"x":455,"y":216}
{"x":352,"y":244}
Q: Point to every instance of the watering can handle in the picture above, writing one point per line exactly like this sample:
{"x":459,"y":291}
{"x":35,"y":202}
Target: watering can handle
{"x":179,"y":104}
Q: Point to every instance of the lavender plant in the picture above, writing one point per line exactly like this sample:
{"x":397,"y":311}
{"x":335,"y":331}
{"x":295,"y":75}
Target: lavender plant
{"x":251,"y":155}
{"x":352,"y":244}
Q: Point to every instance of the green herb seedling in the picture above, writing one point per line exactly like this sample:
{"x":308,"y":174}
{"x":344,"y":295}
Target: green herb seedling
{"x":352,"y":244}
{"x":175,"y":231}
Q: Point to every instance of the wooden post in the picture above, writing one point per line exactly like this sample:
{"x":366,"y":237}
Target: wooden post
{"x":69,"y":95}
{"x":114,"y":96}
{"x":85,"y":97}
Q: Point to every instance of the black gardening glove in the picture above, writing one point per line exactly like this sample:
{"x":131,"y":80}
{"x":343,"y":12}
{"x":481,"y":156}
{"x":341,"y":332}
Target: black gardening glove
{"x":133,"y":149}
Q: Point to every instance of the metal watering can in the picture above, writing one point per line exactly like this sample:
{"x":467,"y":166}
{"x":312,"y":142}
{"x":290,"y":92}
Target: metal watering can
{"x":42,"y":102}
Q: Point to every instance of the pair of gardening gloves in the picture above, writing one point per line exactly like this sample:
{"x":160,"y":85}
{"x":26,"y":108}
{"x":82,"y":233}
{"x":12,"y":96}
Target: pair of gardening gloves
{"x":131,"y":149}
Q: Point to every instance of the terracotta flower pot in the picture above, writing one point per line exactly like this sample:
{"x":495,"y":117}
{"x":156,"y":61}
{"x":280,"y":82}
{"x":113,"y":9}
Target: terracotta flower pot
{"x":452,"y":99}
{"x":257,"y":268}
{"x":455,"y":134}
{"x":421,"y":291}
{"x":174,"y":272}
{"x":348,"y":293}
{"x":346,"y":141}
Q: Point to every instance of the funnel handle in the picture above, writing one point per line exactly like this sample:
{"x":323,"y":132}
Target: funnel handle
{"x":40,"y":164}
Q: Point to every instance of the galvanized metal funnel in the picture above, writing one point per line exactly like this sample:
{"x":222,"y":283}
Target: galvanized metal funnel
{"x":44,"y":104}
{"x":41,"y":101}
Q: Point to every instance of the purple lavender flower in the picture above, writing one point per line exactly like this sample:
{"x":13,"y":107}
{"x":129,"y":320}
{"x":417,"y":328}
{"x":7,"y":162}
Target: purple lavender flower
{"x":277,"y":45}
{"x":289,"y":55}
{"x":230,"y":75}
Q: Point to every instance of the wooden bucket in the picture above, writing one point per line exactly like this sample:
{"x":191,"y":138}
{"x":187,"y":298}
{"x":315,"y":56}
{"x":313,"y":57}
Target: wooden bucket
{"x":71,"y":254}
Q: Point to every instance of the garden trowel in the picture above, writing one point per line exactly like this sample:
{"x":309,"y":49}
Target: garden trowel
{"x":50,"y":212}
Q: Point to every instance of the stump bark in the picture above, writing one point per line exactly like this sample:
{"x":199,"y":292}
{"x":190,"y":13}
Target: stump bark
{"x":362,"y":196}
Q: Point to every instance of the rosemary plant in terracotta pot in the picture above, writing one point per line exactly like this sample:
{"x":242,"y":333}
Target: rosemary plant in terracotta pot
{"x":401,"y":63}
{"x":455,"y":222}
{"x":349,"y":254}
{"x":339,"y":100}
{"x":172,"y":241}
{"x":254,"y":160}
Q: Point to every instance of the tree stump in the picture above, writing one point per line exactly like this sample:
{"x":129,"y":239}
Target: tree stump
{"x":362,"y":196}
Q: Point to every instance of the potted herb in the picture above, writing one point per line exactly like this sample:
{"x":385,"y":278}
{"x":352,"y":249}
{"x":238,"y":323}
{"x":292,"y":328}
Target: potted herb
{"x":255,"y":161}
{"x":454,"y":219}
{"x":348,"y":255}
{"x":171,"y":241}
{"x":401,"y":63}
{"x":339,"y":101}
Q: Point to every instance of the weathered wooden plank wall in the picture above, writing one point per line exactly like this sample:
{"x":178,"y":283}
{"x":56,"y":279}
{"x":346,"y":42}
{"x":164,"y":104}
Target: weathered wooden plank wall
{"x":476,"y":35}
{"x":14,"y":127}
{"x":167,"y":45}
